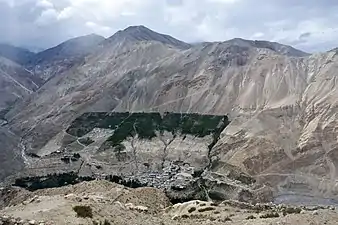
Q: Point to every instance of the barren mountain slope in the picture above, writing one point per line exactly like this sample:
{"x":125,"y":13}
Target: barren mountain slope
{"x":11,"y":160}
{"x":274,"y":46}
{"x":60,"y":58}
{"x":15,"y":54}
{"x":149,"y":76}
{"x":15,"y":82}
{"x":282,"y":107}
{"x":293,"y":146}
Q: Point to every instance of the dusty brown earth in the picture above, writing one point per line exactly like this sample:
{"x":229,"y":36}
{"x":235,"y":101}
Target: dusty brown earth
{"x":282,"y":107}
{"x":115,"y":204}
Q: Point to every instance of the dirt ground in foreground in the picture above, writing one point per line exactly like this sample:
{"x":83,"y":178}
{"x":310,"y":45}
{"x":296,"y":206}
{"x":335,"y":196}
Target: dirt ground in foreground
{"x":118,"y":205}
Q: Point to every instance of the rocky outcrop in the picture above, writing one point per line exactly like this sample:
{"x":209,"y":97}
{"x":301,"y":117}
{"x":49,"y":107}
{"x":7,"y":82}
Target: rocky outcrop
{"x":9,"y":220}
{"x":102,"y":202}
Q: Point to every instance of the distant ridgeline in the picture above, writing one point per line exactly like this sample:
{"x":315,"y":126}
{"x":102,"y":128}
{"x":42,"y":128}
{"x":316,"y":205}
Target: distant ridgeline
{"x":146,"y":125}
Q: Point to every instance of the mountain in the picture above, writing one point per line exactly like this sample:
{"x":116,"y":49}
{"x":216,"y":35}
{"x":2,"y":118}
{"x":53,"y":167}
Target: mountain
{"x":11,"y":160}
{"x":15,"y":82}
{"x":55,"y":60}
{"x":142,"y":33}
{"x":274,"y":46}
{"x":281,"y":102}
{"x":33,"y":48}
{"x":16,"y":54}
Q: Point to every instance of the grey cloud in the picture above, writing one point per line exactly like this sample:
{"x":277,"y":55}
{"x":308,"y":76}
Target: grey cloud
{"x":174,"y":2}
{"x":308,"y":25}
{"x":305,"y":35}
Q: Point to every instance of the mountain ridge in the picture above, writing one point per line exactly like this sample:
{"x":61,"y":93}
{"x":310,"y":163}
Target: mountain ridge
{"x":15,"y":54}
{"x":282,"y":104}
{"x":55,"y":60}
{"x":142,"y":33}
{"x":274,"y":46}
{"x":16,"y":82}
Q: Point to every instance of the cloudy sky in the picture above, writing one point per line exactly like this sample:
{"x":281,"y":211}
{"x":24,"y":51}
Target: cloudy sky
{"x":310,"y":25}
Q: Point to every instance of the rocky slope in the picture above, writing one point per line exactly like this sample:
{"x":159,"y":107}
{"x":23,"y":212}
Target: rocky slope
{"x":11,"y":160}
{"x":15,"y":83}
{"x":170,"y":152}
{"x":142,"y":33}
{"x":58,"y":59}
{"x":15,"y":54}
{"x":281,"y":102}
{"x":100,"y":202}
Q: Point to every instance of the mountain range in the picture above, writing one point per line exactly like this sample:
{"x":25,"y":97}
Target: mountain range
{"x":281,"y":102}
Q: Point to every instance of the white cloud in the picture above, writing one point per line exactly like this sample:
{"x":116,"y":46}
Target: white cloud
{"x":223,"y":1}
{"x":104,"y":9}
{"x":47,"y":17}
{"x":66,"y":13}
{"x":286,"y":21}
{"x":258,"y":35}
{"x":97,"y":28}
{"x":44,"y":4}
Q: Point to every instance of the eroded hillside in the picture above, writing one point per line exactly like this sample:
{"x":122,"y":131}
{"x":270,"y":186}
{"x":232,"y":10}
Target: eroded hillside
{"x":152,"y":138}
{"x":170,"y":151}
{"x":16,"y":83}
{"x":282,"y":104}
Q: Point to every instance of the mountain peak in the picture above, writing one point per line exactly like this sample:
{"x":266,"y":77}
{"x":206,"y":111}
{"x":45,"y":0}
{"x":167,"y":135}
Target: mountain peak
{"x":142,"y":33}
{"x":274,"y":46}
{"x":137,"y":28}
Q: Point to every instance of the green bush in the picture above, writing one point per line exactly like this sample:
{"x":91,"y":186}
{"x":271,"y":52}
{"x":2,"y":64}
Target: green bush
{"x":83,"y":211}
{"x":86,"y":141}
{"x":106,"y":222}
{"x":291,"y":210}
{"x":192,"y":209}
{"x":226,"y":219}
{"x":205,"y":209}
{"x":145,"y":125}
{"x":251,"y":217}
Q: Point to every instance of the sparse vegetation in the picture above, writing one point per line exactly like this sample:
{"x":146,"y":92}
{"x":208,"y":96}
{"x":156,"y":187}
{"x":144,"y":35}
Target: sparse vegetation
{"x":192,"y":209}
{"x":50,"y":181}
{"x":144,"y":125}
{"x":105,"y":222}
{"x":83,"y":211}
{"x":4,"y":111}
{"x":270,"y":215}
{"x":86,"y":141}
{"x":205,"y":209}
{"x":251,"y":217}
{"x":185,"y":216}
{"x":291,"y":210}
{"x":226,"y":219}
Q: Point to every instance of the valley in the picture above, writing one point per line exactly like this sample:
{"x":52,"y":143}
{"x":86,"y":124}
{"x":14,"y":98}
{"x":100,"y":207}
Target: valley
{"x":239,"y":120}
